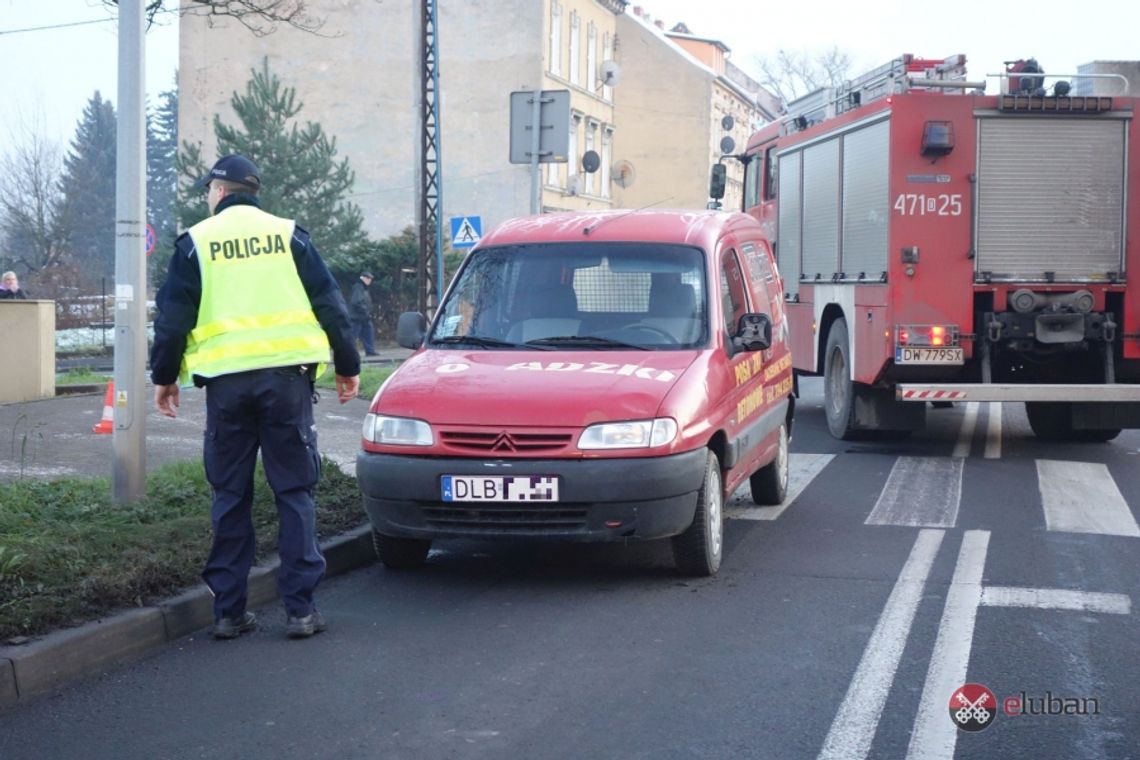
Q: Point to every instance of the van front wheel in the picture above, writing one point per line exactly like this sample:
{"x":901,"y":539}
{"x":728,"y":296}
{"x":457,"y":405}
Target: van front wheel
{"x":698,"y":550}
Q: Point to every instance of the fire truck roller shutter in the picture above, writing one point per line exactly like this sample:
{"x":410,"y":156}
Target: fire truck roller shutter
{"x":866,"y":211}
{"x":821,"y":209}
{"x":789,"y":226}
{"x":1050,"y":198}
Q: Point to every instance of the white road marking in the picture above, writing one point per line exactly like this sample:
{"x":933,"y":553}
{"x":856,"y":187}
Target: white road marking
{"x":855,"y":723}
{"x":966,"y":434}
{"x":920,"y":492}
{"x":993,"y":431}
{"x":934,"y":734}
{"x":1082,"y":497}
{"x":802,"y":469}
{"x":1056,"y":599}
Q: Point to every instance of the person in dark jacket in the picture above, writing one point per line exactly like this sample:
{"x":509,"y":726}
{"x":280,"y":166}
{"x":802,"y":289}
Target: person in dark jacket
{"x":250,"y":311}
{"x":360,"y":312}
{"x":10,"y":287}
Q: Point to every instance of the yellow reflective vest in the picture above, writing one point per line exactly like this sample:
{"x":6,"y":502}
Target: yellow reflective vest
{"x":254,"y":311}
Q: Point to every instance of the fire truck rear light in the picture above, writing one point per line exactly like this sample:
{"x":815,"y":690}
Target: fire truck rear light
{"x":926,"y":335}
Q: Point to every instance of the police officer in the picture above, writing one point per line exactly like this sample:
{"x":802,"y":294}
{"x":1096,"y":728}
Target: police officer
{"x":250,"y":312}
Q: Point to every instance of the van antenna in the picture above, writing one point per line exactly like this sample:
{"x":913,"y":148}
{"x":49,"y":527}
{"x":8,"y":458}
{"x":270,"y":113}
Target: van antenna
{"x":592,"y":227}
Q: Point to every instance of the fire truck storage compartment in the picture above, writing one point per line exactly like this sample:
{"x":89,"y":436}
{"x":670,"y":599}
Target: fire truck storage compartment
{"x":1050,"y":198}
{"x":834,"y":207}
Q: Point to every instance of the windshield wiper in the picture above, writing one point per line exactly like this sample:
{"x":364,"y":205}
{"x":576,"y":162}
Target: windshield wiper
{"x":587,"y":341}
{"x":485,"y":342}
{"x":476,"y":340}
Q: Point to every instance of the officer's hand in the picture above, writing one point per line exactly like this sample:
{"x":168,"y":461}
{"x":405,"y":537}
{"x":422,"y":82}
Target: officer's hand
{"x":166,"y":399}
{"x":347,"y":388}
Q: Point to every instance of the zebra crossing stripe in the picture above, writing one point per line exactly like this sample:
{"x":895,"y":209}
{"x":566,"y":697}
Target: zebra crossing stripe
{"x":1082,"y":497}
{"x":920,"y":492}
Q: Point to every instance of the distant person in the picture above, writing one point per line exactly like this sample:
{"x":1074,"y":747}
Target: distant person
{"x":360,"y":311}
{"x":250,"y":311}
{"x":10,"y":287}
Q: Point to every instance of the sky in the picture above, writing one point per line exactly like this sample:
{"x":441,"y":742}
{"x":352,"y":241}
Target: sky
{"x":47,"y":76}
{"x":1059,"y":35}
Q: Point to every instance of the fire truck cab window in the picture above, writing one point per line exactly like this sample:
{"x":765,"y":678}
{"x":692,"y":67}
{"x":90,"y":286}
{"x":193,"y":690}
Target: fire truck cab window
{"x":753,"y":171}
{"x":770,"y":175}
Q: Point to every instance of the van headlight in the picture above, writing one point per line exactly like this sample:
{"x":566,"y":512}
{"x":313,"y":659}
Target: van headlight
{"x":636,"y":434}
{"x":396,"y":431}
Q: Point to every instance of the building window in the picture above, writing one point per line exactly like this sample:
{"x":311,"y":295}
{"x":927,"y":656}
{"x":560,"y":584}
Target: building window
{"x":607,"y":55}
{"x":574,"y":167}
{"x":575,"y":45}
{"x":556,"y":38}
{"x":607,"y":159}
{"x":591,"y":138}
{"x":591,"y":57}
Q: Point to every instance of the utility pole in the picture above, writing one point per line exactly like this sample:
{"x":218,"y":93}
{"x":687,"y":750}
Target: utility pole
{"x":429,"y":221}
{"x":129,"y":466}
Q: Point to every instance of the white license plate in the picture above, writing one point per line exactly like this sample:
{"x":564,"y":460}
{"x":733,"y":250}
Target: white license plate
{"x":499,"y":487}
{"x":929,"y":355}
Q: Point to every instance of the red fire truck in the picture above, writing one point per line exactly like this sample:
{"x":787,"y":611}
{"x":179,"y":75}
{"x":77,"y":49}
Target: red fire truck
{"x":938,"y":244}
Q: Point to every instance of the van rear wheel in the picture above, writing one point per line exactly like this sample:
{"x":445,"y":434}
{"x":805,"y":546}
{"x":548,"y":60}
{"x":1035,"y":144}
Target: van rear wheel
{"x":770,"y":483}
{"x":698,"y":550}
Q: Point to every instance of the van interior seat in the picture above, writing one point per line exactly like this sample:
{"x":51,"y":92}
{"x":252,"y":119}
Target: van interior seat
{"x":546,"y":312}
{"x":673,"y":308}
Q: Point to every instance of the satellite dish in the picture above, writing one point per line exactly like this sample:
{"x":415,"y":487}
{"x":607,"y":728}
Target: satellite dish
{"x":727,"y":122}
{"x":623,"y":173}
{"x":609,"y":72}
{"x":727,"y":144}
{"x":590,"y":161}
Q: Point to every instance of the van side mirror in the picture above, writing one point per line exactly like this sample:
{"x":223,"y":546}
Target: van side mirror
{"x":753,"y":332}
{"x":717,"y":180}
{"x":411,"y":328}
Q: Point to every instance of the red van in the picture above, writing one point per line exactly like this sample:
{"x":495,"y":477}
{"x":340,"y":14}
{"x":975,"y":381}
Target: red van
{"x":607,"y":376}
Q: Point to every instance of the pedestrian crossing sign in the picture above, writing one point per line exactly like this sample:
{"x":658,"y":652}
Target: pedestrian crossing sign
{"x":466,"y":231}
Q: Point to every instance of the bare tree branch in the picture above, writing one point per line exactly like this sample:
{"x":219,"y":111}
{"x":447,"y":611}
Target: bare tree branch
{"x":30,"y":202}
{"x":793,"y":74}
{"x":261,"y":17}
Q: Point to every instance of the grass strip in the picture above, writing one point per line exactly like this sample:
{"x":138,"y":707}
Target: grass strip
{"x":69,"y":554}
{"x":370,"y":380}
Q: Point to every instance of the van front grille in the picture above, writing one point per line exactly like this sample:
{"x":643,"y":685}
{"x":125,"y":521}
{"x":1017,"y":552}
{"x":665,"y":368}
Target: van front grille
{"x":503,"y":518}
{"x":505,"y":442}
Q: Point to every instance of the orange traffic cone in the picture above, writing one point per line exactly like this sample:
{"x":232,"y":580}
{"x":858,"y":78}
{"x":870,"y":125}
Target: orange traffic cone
{"x":106,"y":425}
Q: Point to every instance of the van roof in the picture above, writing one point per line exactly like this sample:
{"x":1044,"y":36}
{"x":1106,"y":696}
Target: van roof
{"x":695,"y":227}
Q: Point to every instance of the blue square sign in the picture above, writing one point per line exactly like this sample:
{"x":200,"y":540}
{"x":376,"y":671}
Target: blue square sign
{"x":466,"y":231}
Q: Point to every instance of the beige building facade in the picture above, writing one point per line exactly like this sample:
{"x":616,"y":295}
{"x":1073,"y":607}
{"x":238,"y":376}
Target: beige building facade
{"x":651,"y":110}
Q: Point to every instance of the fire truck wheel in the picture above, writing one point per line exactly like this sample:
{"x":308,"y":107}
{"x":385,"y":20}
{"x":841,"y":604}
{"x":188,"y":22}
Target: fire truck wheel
{"x":400,"y":553}
{"x":770,"y":482}
{"x":698,"y":550}
{"x":838,"y":389}
{"x":1052,"y":421}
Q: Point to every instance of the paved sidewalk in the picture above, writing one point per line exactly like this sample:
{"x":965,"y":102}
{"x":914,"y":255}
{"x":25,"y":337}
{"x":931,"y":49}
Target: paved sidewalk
{"x":52,"y":438}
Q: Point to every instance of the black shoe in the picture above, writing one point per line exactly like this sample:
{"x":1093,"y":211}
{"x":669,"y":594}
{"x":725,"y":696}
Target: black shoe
{"x":371,"y":353}
{"x":231,"y":628}
{"x":304,"y":627}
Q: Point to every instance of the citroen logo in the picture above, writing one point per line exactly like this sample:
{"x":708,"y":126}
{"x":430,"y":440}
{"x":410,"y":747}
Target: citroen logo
{"x":503,"y":442}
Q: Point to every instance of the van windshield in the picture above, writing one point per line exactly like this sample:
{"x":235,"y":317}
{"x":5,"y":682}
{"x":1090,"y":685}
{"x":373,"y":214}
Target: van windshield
{"x":587,"y":296}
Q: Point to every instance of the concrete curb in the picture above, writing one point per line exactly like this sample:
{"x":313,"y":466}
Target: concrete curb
{"x":62,"y":657}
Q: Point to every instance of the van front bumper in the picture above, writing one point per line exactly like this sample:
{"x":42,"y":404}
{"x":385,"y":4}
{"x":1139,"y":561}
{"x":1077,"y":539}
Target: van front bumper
{"x":599,"y":499}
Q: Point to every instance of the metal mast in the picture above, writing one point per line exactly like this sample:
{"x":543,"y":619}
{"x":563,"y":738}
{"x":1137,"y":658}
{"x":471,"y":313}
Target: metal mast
{"x":430,"y":269}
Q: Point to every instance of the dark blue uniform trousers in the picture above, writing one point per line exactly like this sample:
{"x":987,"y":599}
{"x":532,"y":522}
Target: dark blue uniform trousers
{"x":270,"y":409}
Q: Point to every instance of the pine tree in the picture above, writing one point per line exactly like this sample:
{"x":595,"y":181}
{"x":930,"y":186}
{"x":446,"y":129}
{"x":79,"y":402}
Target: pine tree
{"x":88,"y":187}
{"x":300,"y":176}
{"x":162,"y":178}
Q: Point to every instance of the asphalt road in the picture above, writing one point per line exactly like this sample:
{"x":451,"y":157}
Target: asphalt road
{"x":841,"y":625}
